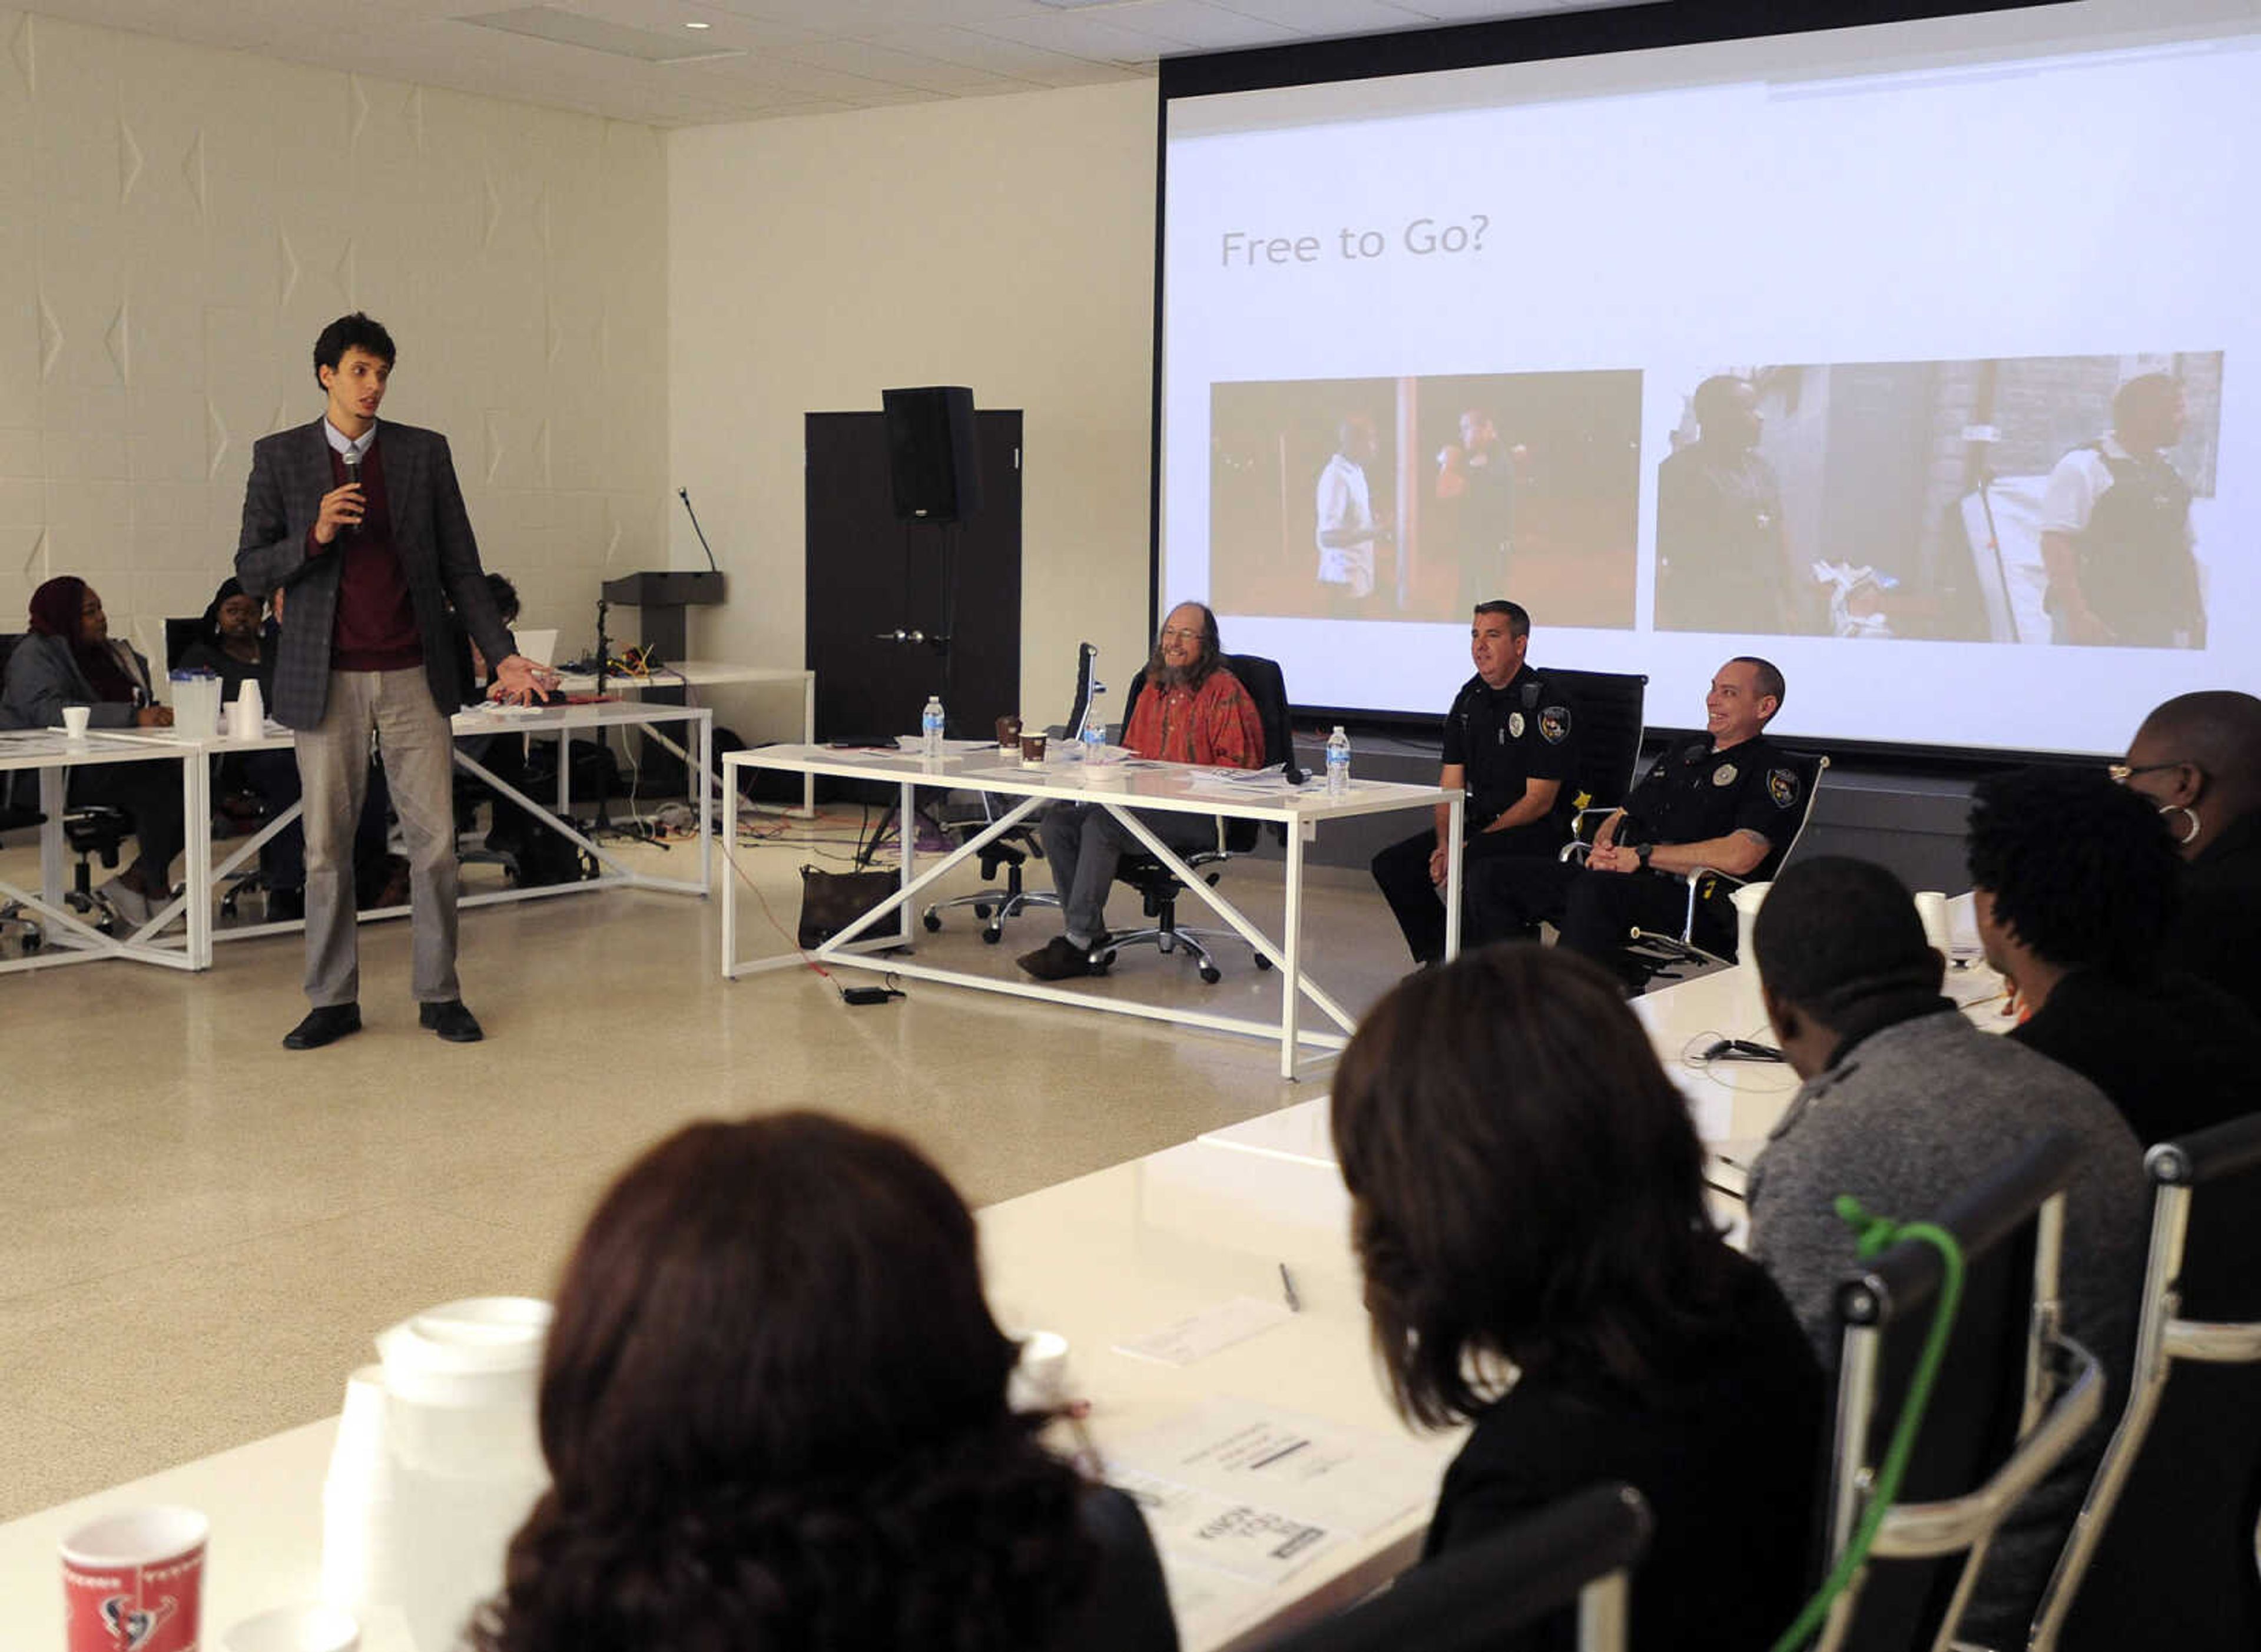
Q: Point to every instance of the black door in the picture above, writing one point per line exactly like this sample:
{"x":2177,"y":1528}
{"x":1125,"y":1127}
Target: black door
{"x":870,"y":574}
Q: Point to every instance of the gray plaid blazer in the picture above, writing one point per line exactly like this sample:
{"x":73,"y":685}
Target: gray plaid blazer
{"x":431,"y":532}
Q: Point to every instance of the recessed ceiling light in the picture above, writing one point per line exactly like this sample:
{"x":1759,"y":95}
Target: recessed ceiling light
{"x":698,"y":25}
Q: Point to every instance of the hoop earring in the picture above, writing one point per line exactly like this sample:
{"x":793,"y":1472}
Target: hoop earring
{"x":2189,"y":814}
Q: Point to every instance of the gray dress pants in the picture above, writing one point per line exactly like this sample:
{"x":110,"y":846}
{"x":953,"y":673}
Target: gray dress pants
{"x":412,"y":739}
{"x":1083,"y":843}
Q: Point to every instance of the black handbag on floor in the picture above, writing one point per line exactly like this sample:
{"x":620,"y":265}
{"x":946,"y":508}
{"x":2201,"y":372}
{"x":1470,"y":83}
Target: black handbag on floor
{"x":831,"y":901}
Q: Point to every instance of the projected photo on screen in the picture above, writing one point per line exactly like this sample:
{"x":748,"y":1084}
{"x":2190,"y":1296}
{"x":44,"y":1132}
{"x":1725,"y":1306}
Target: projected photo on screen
{"x":2038,"y":500}
{"x":1415,"y":499}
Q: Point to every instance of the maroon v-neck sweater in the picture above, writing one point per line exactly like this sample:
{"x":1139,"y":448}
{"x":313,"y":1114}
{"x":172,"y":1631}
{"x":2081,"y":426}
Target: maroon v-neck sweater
{"x":376,"y":626}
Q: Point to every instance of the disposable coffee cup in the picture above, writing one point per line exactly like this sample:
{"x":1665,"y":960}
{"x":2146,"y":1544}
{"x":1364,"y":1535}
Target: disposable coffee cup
{"x":74,"y":721}
{"x":1931,"y":906}
{"x":1039,"y":1380}
{"x":295,"y":1629}
{"x":1032,"y":749}
{"x":1008,"y":733}
{"x":135,"y":1579}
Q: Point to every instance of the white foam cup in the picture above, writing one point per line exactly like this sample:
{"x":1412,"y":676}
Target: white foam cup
{"x":1039,"y":1380}
{"x":1931,"y":906}
{"x":295,"y":1629}
{"x":74,"y":721}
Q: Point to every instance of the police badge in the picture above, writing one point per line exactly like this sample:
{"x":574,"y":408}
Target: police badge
{"x":1781,"y":785}
{"x":1515,"y":725}
{"x":1724,"y":775}
{"x":1555,"y":724}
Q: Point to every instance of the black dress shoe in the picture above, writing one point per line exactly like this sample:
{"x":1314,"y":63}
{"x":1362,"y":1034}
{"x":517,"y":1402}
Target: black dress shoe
{"x":286,"y":905}
{"x":325,"y":1025}
{"x":1060,"y":958}
{"x":451,"y":1021}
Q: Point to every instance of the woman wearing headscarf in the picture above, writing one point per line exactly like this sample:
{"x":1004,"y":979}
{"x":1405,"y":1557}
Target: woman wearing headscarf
{"x":70,"y":659}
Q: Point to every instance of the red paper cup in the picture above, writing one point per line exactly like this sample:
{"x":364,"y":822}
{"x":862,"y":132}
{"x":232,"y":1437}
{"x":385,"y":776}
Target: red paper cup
{"x":134,"y":1581}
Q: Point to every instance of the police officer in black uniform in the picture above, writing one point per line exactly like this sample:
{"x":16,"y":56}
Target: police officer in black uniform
{"x":2127,"y":577}
{"x":1731,"y":802}
{"x":1508,"y":742}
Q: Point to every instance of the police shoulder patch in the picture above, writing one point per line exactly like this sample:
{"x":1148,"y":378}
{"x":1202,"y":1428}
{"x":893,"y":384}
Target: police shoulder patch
{"x":1555,"y":724}
{"x":1781,"y":785}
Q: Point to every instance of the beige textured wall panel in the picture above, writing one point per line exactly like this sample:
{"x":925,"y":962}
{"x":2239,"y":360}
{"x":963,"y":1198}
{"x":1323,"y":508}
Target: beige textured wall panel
{"x":179,"y":223}
{"x":1006,"y":243}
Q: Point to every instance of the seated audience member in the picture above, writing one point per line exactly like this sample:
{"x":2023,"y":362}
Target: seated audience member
{"x":231,"y":646}
{"x":70,"y":659}
{"x":2074,"y":889}
{"x":1507,"y":742}
{"x":1527,"y":1204}
{"x":773,"y":1407}
{"x":1905,"y":1101}
{"x":1731,"y":802}
{"x":1193,"y":710}
{"x":2198,"y":758}
{"x":235,"y":649}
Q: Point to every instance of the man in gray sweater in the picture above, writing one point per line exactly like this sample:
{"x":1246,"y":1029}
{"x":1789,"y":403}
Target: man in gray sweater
{"x":1904,"y":1103}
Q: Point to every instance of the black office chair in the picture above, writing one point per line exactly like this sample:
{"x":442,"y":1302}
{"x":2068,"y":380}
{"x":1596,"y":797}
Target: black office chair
{"x":2011,"y":1398}
{"x":15,"y":817}
{"x":1608,"y":707}
{"x":1578,"y":1553}
{"x":1157,"y":885}
{"x":1010,"y":851}
{"x":2165,"y":1551}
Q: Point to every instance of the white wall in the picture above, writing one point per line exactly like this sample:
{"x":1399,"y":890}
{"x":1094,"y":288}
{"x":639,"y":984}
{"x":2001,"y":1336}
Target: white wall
{"x":1007,"y":244}
{"x":176,"y":224}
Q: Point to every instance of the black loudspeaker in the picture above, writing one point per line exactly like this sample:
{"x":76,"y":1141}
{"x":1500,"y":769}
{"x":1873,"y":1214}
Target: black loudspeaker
{"x":931,"y":458}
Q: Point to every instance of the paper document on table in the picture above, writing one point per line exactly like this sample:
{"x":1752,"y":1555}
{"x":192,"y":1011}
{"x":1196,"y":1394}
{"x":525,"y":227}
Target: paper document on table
{"x":1240,"y":1497}
{"x":914,"y":745}
{"x":1197,"y":1336}
{"x":1321,"y":1474}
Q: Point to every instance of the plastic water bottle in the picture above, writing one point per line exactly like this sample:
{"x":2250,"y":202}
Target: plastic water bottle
{"x":930,"y":726}
{"x":1338,"y":763}
{"x":1094,"y":729}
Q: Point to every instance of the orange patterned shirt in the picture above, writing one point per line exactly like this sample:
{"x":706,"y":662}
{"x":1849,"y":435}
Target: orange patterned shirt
{"x":1215,"y":725}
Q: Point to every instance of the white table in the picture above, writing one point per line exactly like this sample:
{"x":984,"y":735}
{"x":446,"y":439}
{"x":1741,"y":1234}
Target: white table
{"x":693,"y":674}
{"x":561,"y":721}
{"x":1103,"y":1258}
{"x":67,"y":939}
{"x":1174,"y":787}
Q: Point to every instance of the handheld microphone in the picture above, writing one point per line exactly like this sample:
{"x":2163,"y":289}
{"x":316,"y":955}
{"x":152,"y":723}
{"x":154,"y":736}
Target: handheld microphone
{"x":352,"y":479}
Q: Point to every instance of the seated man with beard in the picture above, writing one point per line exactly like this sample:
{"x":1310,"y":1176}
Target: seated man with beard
{"x":1193,"y":710}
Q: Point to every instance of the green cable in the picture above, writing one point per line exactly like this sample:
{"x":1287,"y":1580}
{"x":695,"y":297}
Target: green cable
{"x":1876,"y":1233}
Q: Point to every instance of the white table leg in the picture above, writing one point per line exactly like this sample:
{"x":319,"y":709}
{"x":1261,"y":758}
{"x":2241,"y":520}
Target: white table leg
{"x":807,"y":738}
{"x":731,"y":769}
{"x":55,"y":783}
{"x":1291,"y":983}
{"x":906,"y":835}
{"x":196,"y":810}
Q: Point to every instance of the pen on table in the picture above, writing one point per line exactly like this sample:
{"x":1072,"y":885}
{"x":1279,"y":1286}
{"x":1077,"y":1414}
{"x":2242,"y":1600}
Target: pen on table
{"x":1288,"y":1284}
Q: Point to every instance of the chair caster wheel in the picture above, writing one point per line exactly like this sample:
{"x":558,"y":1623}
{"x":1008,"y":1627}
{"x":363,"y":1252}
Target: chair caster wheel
{"x":933,"y":922}
{"x":1211,"y":973}
{"x":991,"y":937}
{"x":1104,"y":962}
{"x":1263,"y":962}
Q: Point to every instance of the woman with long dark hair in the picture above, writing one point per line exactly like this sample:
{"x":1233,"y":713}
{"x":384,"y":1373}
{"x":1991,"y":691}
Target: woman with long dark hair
{"x":71,"y":659}
{"x":773,"y":1407}
{"x":1528,"y":1208}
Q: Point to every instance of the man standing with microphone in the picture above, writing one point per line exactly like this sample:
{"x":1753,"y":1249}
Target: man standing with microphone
{"x":364,"y":528}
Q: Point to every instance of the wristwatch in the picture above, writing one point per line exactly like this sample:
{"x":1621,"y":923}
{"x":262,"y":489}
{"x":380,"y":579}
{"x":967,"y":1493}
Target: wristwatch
{"x":1641,"y":850}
